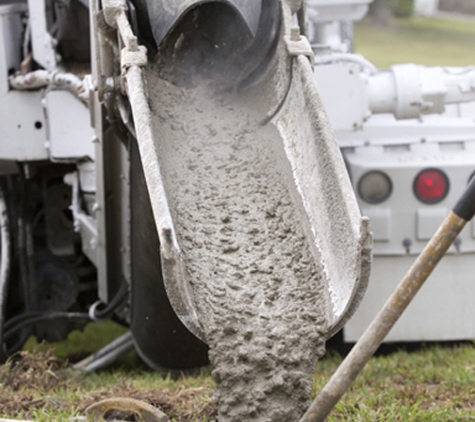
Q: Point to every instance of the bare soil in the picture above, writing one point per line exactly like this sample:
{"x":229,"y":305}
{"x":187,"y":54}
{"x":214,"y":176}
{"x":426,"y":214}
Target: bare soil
{"x":32,"y":382}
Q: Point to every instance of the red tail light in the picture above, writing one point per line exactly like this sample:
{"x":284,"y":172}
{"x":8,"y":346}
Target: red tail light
{"x":431,"y":186}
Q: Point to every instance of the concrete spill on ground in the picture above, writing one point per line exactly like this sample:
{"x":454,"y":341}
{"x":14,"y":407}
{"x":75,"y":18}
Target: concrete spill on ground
{"x":256,"y":285}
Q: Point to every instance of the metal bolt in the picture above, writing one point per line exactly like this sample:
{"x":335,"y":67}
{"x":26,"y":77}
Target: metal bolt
{"x":132,"y":44}
{"x":295,"y":33}
{"x":407,"y":243}
{"x":457,"y":243}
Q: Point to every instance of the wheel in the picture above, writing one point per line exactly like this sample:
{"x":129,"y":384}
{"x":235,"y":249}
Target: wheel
{"x":161,"y":340}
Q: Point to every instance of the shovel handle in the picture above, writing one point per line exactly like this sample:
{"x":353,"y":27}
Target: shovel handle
{"x":394,"y":307}
{"x":465,"y":206}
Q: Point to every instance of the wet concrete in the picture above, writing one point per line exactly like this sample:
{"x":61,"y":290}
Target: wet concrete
{"x":256,"y":285}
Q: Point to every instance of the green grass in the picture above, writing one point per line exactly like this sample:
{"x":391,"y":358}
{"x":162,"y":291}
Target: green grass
{"x":433,"y":383}
{"x":94,"y":336}
{"x":429,"y":42}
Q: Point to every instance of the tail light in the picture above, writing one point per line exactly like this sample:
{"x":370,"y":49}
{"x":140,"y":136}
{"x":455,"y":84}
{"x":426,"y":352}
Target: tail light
{"x":375,"y":187}
{"x":431,"y":186}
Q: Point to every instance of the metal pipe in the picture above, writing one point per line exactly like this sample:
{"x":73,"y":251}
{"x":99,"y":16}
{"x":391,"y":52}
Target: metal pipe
{"x":409,"y":91}
{"x":394,"y":307}
{"x":111,"y":357}
{"x":365,"y":64}
{"x":108,"y":354}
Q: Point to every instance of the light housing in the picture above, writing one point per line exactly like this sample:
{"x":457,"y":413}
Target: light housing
{"x":375,"y":187}
{"x":431,"y":186}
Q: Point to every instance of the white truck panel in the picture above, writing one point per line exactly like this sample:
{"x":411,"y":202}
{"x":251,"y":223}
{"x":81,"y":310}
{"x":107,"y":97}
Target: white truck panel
{"x":22,"y":126}
{"x":337,"y":10}
{"x":41,"y":40}
{"x":337,"y":81}
{"x":69,"y":127}
{"x":10,"y":42}
{"x":402,"y":216}
{"x":444,"y":309}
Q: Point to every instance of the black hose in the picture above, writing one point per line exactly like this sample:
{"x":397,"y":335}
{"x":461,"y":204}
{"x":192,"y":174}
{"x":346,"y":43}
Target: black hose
{"x":117,"y":300}
{"x":31,"y":318}
{"x":28,"y":322}
{"x":286,"y":94}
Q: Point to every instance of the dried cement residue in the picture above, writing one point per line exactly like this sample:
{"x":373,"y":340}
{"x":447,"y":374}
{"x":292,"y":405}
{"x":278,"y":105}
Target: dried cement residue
{"x":257,"y":288}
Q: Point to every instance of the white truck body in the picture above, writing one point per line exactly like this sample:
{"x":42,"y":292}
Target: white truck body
{"x":431,"y":125}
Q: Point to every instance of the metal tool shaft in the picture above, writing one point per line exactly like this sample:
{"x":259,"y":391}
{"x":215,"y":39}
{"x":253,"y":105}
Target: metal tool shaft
{"x":386,"y":318}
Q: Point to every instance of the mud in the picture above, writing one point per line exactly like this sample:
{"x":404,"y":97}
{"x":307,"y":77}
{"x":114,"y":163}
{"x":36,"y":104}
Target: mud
{"x":256,"y":283}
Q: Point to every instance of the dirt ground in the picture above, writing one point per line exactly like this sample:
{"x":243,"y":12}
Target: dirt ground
{"x":40,"y":382}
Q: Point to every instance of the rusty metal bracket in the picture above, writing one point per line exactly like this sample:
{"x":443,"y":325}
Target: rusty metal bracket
{"x":298,"y":44}
{"x":131,"y":53}
{"x":144,"y":411}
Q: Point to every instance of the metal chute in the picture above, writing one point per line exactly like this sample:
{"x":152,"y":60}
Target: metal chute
{"x":259,"y":233}
{"x":320,"y":182}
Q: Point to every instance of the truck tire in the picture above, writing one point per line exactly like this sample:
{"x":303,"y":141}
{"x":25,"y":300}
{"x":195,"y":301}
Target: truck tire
{"x":161,"y":340}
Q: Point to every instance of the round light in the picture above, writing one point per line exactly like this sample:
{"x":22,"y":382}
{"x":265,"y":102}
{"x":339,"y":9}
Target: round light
{"x":431,"y":186}
{"x":375,"y":187}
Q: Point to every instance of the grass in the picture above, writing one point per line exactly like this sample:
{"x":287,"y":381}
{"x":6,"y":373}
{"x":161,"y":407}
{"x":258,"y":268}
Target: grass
{"x":432,"y":383}
{"x":94,"y":337}
{"x":429,"y":42}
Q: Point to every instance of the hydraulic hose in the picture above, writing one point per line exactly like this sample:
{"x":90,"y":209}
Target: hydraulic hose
{"x":31,"y":318}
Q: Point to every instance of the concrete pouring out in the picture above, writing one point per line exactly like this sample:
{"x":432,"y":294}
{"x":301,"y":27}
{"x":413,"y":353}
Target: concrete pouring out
{"x":256,"y":286}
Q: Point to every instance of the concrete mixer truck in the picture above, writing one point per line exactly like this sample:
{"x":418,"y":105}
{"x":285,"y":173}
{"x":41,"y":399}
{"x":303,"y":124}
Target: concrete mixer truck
{"x":173,"y":165}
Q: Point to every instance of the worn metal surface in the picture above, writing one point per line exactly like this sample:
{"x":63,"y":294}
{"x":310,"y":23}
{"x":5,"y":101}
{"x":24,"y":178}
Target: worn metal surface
{"x":338,"y":230}
{"x":10,"y":41}
{"x":145,"y":412}
{"x":386,"y":318}
{"x":42,"y":41}
{"x":100,"y":54}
